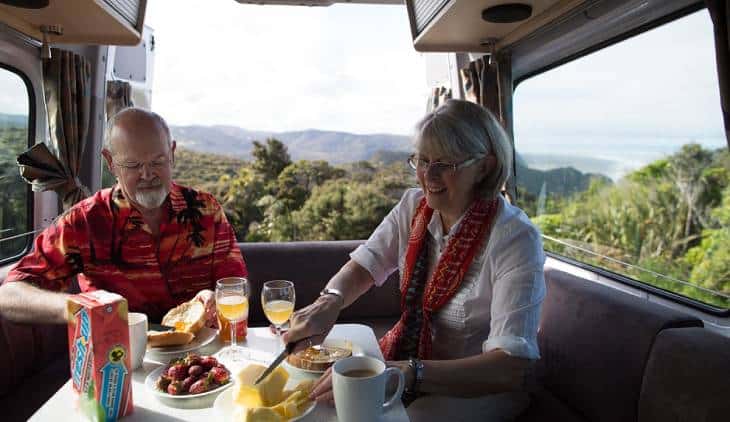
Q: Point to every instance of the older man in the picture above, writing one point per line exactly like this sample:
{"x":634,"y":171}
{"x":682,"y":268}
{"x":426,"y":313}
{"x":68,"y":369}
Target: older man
{"x":152,"y":241}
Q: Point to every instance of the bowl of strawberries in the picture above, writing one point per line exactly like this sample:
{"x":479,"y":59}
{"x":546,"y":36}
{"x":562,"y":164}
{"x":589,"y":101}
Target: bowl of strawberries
{"x":189,"y":382}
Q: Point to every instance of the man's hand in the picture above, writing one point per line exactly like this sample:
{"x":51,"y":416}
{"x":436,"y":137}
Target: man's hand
{"x":313,"y":322}
{"x":207,"y":298}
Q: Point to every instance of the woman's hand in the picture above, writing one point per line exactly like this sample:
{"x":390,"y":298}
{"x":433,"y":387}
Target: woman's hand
{"x":408,"y":373}
{"x":322,"y":389}
{"x":207,"y":298}
{"x":313,"y":322}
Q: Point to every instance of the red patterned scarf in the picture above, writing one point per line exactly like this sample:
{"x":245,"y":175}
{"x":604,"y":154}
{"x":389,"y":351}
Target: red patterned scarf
{"x":446,"y":278}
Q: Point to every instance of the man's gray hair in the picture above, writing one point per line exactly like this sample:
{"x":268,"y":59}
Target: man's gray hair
{"x":461,"y":128}
{"x":131,"y":112}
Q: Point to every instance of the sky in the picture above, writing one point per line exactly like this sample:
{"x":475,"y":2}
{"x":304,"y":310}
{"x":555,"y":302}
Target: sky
{"x":278,"y":68}
{"x":353,"y":68}
{"x":662,"y":83}
{"x":13,"y":94}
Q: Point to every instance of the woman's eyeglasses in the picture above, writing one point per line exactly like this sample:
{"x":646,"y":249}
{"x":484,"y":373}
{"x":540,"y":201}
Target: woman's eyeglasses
{"x":438,"y":167}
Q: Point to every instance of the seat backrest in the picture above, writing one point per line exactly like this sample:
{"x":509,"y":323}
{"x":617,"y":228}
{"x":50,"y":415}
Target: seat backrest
{"x":310,"y":265}
{"x":26,"y":349}
{"x":594,"y":344}
{"x":687,"y":377}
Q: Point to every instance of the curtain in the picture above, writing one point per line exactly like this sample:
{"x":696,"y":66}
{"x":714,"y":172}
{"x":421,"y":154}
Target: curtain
{"x":67,"y":91}
{"x":720,"y":14}
{"x":118,"y":97}
{"x":438,"y":96}
{"x":481,"y":86}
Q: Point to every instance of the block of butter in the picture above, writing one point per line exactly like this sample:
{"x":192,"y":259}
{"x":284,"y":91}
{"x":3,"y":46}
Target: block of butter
{"x":267,"y":393}
{"x":268,"y":401}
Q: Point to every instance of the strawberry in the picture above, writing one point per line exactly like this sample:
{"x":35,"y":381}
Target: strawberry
{"x":175,"y":388}
{"x":208,"y":362}
{"x":200,"y":386}
{"x":192,"y":359}
{"x":178,"y":372}
{"x":195,"y":370}
{"x":187,"y":382}
{"x":162,"y":383}
{"x":220,"y":375}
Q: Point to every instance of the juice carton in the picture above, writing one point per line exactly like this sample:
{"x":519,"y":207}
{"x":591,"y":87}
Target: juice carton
{"x":98,"y":341}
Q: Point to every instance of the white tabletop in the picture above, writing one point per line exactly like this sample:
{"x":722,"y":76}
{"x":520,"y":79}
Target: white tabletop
{"x":61,"y":406}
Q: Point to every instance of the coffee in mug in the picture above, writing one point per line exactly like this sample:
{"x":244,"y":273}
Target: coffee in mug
{"x":358,"y":383}
{"x":360,"y":373}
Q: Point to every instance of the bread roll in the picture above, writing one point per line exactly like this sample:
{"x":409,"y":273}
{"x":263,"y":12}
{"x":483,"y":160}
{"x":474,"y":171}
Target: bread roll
{"x":188,"y":317}
{"x":168,"y":338}
{"x":318,"y":358}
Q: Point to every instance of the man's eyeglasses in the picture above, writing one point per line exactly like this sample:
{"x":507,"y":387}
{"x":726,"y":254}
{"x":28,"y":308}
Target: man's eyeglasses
{"x":136,"y":166}
{"x":439,"y":167}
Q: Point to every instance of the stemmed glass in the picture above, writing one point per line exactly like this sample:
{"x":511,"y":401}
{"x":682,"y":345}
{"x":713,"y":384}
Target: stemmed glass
{"x":231,"y":301}
{"x":277,"y":299}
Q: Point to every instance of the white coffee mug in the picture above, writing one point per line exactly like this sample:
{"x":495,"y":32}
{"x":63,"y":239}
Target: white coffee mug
{"x":137,"y":337}
{"x":358,"y":384}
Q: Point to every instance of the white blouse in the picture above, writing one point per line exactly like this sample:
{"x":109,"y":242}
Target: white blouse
{"x":498,"y":303}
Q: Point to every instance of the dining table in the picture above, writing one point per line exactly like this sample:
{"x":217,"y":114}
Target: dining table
{"x":262,"y":347}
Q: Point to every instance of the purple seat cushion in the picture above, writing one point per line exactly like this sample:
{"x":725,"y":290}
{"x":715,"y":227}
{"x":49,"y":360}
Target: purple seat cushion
{"x":595,"y":342}
{"x":310,"y":265}
{"x":687,"y":377}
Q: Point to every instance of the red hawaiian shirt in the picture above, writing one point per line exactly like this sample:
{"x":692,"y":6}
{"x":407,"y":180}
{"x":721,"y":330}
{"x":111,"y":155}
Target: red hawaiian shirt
{"x":105,"y":241}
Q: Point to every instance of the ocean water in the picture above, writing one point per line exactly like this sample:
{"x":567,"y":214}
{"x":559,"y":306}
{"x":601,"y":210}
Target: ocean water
{"x":611,"y":156}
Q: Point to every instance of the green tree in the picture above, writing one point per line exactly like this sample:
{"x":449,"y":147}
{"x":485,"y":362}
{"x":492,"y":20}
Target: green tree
{"x":687,"y":170}
{"x":710,"y":260}
{"x":270,"y":158}
{"x":241,"y":197}
{"x":13,"y":190}
{"x":342,"y":209}
{"x":295,"y":183}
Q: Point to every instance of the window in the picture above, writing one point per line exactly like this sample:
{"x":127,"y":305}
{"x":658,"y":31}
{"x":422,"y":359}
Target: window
{"x":623,"y":164}
{"x":15,"y":221}
{"x":304,"y":143}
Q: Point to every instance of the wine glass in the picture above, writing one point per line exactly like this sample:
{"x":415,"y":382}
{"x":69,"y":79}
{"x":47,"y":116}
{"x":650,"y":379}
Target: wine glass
{"x":277,"y":299}
{"x":231,"y":301}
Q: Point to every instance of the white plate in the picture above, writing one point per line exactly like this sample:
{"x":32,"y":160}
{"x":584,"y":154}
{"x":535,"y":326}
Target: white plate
{"x":202,"y":338}
{"x":334,"y":342}
{"x":224,"y":408}
{"x":183,"y":401}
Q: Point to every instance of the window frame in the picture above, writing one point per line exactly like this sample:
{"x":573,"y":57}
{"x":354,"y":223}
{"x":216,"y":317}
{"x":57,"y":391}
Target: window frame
{"x":29,"y":203}
{"x":620,"y":278}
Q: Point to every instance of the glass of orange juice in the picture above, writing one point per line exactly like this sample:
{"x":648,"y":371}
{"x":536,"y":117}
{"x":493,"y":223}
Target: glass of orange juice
{"x":277,"y":299}
{"x":231,"y":301}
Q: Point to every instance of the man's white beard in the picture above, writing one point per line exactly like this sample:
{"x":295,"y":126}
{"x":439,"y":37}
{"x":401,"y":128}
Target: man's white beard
{"x":151,"y":198}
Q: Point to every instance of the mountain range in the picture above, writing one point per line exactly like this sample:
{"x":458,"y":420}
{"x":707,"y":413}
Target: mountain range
{"x":311,"y":144}
{"x":557,"y":174}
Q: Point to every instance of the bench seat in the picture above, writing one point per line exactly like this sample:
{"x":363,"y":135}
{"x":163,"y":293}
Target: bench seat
{"x":606,"y":355}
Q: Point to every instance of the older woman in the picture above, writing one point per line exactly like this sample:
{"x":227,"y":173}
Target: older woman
{"x":471,"y":269}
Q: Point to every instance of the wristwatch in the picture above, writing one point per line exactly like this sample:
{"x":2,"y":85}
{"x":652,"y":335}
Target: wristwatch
{"x":417,"y":367}
{"x":328,"y":291}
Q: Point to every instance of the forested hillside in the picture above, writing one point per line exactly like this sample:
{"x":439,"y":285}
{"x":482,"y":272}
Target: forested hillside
{"x":13,"y":204}
{"x":667,"y":223}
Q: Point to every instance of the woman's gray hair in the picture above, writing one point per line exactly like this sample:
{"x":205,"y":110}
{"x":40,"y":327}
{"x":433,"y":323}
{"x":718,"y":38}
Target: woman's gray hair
{"x":461,"y":128}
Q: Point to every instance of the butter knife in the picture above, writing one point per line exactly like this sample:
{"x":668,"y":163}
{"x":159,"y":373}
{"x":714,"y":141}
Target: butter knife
{"x":284,"y":353}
